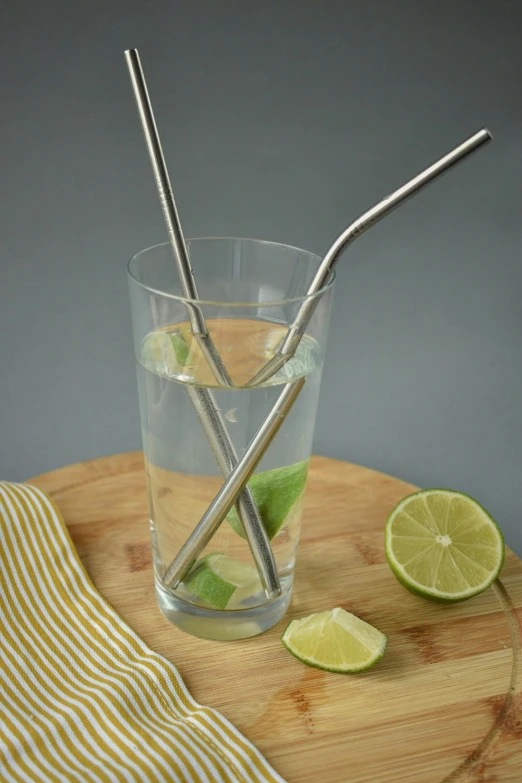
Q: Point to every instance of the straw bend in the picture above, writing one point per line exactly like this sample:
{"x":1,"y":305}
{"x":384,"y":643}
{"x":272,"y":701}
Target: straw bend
{"x":293,"y":337}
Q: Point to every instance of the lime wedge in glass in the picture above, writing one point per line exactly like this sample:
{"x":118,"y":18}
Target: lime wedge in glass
{"x":335,"y":640}
{"x":166,"y":353}
{"x":441,"y":544}
{"x":275,"y":491}
{"x":221,"y":581}
{"x":180,"y":348}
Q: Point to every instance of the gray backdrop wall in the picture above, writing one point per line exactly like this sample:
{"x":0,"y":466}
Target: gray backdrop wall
{"x":281,"y":120}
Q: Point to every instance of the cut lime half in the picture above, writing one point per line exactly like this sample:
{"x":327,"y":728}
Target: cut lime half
{"x":441,"y":544}
{"x":335,"y":640}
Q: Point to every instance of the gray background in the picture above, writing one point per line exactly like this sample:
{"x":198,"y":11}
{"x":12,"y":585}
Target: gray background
{"x":281,"y":120}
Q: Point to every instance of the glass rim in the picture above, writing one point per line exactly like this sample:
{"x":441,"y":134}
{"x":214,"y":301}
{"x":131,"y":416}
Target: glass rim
{"x":225,"y":303}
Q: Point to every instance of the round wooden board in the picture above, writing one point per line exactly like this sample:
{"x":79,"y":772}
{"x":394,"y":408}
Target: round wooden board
{"x":444,"y":704}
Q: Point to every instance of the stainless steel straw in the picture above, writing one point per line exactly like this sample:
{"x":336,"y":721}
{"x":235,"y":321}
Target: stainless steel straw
{"x":218,"y":509}
{"x":224,"y":499}
{"x":202,"y":399}
{"x":293,"y":337}
{"x":170,"y":214}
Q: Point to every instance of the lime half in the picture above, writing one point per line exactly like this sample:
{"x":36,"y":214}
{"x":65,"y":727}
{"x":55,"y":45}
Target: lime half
{"x":221,"y":581}
{"x":275,"y":491}
{"x":336,"y":641}
{"x":443,"y":545}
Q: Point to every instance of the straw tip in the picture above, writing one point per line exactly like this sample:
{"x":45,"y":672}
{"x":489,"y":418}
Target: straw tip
{"x":130,"y":53}
{"x":485,"y":134}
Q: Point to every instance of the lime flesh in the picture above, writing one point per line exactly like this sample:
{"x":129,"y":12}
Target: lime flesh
{"x":335,"y":640}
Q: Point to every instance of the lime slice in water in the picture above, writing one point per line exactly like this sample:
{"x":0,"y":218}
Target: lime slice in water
{"x":443,"y":545}
{"x":220,"y":580}
{"x":335,"y":640}
{"x":275,"y":491}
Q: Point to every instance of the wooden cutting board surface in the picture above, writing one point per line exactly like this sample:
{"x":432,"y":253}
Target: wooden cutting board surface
{"x":444,"y":704}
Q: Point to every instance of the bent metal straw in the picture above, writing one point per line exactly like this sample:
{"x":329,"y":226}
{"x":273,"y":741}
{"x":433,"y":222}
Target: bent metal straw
{"x":214,"y":515}
{"x":293,"y":337}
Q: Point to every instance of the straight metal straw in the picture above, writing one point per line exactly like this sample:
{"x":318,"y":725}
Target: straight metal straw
{"x":237,"y":479}
{"x":293,"y":337}
{"x":170,"y":214}
{"x":202,"y":399}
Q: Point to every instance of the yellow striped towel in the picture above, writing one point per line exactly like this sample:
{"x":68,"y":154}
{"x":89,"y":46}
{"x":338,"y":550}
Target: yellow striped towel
{"x":82,"y":699}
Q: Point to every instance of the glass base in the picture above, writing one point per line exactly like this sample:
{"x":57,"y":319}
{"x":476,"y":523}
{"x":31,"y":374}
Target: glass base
{"x":221,"y":624}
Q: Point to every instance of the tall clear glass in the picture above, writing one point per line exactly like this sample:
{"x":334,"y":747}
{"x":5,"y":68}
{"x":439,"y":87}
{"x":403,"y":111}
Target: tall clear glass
{"x":250,"y":291}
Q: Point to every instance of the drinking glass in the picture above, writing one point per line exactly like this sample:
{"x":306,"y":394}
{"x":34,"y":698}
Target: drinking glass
{"x":250,"y":291}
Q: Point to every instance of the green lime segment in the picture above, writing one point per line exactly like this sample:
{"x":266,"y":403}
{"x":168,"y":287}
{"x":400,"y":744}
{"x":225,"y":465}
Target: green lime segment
{"x":441,"y":544}
{"x":275,"y":491}
{"x":166,"y":352}
{"x":180,"y":347}
{"x":335,"y":640}
{"x":217,"y":578}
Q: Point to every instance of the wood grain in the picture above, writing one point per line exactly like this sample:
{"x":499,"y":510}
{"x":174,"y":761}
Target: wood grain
{"x":444,"y":704}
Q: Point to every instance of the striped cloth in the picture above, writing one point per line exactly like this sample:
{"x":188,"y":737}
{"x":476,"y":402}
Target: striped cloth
{"x":82,"y":699}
